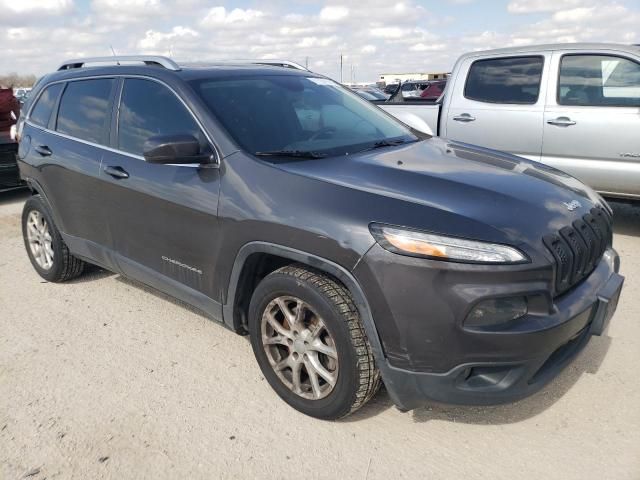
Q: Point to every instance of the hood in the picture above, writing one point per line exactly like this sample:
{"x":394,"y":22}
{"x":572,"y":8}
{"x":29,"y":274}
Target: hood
{"x":458,"y":189}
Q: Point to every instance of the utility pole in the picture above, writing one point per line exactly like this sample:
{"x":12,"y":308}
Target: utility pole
{"x":306,"y":63}
{"x":340,"y":68}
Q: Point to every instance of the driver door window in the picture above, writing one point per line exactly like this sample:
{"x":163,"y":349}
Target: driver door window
{"x":148,"y":109}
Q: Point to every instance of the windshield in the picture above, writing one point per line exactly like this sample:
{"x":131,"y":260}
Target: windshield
{"x":287,"y":113}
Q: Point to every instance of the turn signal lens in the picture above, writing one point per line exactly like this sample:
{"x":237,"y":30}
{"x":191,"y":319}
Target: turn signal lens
{"x":422,"y":244}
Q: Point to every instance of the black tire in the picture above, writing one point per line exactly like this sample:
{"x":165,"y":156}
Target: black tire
{"x":358,"y":378}
{"x":64,"y":265}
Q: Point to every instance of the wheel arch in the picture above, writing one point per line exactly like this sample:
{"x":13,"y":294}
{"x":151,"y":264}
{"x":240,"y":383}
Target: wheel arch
{"x":37,"y":189}
{"x":242,"y":267}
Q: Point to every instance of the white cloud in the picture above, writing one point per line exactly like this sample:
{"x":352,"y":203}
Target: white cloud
{"x":124,"y":12}
{"x":537,"y":6}
{"x":574,"y":15}
{"x":388,"y":32}
{"x":220,"y":16}
{"x":315,"y":41}
{"x":153,"y":40}
{"x":423,"y":47}
{"x":41,"y":6}
{"x":369,"y":49}
{"x":334,"y":13}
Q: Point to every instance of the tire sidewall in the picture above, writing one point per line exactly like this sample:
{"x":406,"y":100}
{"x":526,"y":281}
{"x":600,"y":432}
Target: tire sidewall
{"x":36,"y":203}
{"x":338,"y":403}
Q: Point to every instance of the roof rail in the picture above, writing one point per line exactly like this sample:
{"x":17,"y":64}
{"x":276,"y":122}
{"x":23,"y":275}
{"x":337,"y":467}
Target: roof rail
{"x":280,"y":63}
{"x":155,"y":60}
{"x":274,"y":63}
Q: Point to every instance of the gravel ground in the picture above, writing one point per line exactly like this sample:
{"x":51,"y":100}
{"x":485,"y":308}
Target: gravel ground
{"x":105,"y":378}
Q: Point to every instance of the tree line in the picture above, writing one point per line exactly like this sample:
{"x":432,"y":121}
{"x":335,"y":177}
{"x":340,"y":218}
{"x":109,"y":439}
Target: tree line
{"x":15,"y":80}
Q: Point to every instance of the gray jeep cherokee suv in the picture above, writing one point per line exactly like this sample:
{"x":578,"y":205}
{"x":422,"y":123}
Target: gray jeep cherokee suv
{"x":350,"y":248}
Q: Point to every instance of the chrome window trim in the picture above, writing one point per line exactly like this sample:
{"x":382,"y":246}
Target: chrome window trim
{"x":86,"y":142}
{"x":216,"y":152}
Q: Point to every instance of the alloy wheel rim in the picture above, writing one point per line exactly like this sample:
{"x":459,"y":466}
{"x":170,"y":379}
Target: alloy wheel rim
{"x":299,"y":347}
{"x":40,"y":241}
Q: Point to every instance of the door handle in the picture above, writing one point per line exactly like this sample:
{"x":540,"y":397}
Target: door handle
{"x":561,"y":122}
{"x":43,"y":150}
{"x":464,"y":117}
{"x":116,"y":172}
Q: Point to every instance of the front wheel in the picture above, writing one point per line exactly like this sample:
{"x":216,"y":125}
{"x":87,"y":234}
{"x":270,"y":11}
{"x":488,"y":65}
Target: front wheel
{"x":309,"y":341}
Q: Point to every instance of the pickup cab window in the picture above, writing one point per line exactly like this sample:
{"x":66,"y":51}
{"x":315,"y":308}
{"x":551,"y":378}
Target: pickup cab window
{"x":599,"y":81}
{"x":512,"y":80}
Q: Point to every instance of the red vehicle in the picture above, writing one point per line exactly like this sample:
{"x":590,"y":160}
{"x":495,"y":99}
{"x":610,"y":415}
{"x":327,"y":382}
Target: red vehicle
{"x":433,"y":90}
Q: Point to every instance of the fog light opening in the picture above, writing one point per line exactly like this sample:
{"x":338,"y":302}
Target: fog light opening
{"x":496,"y":311}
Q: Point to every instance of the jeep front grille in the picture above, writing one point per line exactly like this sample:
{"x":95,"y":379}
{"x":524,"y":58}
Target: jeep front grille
{"x":578,"y":248}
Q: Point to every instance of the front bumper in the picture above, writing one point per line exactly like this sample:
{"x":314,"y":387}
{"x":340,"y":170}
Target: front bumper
{"x":437,"y":359}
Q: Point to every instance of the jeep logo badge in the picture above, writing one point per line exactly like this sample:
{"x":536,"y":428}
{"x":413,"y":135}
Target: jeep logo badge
{"x":571,"y":206}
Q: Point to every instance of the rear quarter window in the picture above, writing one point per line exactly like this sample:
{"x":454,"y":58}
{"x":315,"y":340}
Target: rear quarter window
{"x":85,"y":109}
{"x":41,"y":112}
{"x":512,"y":80}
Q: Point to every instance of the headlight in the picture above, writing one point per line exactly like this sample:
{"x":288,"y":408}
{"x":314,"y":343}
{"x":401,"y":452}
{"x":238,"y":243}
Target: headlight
{"x":422,"y":244}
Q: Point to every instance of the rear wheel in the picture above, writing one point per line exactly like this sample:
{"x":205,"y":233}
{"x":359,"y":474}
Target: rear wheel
{"x":47,"y":251}
{"x":309,"y":341}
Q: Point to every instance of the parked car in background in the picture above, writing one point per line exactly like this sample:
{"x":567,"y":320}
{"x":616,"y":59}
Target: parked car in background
{"x":371,"y":94}
{"x":572,"y":106}
{"x":22,"y":94}
{"x":9,"y":112}
{"x":413,"y":89}
{"x":9,"y":173}
{"x":350,"y":248}
{"x":433,"y":90}
{"x":391,"y":88}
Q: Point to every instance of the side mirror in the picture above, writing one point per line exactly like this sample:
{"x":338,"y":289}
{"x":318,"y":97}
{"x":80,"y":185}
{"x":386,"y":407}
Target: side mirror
{"x":174,"y":149}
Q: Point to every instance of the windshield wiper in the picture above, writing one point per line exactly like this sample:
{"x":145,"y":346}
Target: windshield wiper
{"x":385,"y":143}
{"x":291,"y":153}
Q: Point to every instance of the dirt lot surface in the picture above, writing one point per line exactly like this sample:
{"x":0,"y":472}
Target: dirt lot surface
{"x":105,"y":378}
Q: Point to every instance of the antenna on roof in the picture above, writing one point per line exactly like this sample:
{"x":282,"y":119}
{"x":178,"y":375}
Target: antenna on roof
{"x":114,"y":53}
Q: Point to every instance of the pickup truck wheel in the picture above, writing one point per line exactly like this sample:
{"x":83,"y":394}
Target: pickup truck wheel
{"x":309,"y":341}
{"x":47,"y":251}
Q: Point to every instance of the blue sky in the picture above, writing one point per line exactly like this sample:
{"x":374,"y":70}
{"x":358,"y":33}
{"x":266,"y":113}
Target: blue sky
{"x":374,"y":36}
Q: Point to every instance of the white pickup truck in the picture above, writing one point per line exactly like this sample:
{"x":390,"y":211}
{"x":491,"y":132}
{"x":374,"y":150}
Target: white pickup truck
{"x":575,"y":107}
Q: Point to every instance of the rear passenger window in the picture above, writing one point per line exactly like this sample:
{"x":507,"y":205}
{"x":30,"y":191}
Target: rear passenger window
{"x":599,"y":81}
{"x":513,"y":80}
{"x":148,"y":109}
{"x":84,"y":110}
{"x":41,"y":112}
